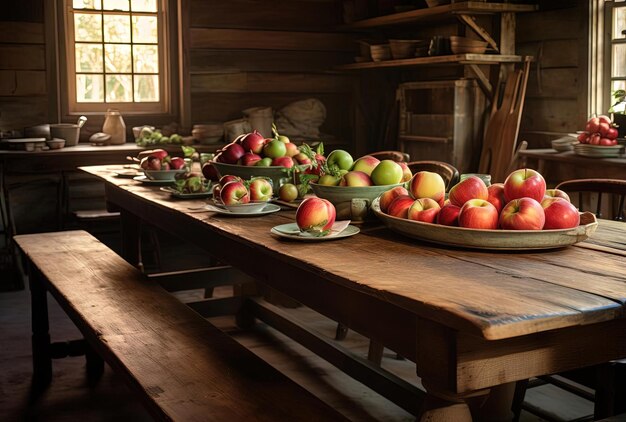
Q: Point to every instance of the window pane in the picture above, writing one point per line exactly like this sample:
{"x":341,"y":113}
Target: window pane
{"x":116,"y":5}
{"x":619,"y":60}
{"x":145,"y":29}
{"x":146,"y":88}
{"x":87,"y":27}
{"x":89,"y":89}
{"x":616,"y":105}
{"x":119,"y":88}
{"x":146,"y":58}
{"x":116,"y":28}
{"x":87,"y":4}
{"x":619,"y":22}
{"x":88,"y":57}
{"x":117,"y":58}
{"x":143,"y":5}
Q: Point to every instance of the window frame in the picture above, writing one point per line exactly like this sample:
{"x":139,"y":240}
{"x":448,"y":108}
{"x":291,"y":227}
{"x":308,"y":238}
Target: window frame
{"x":166,"y":107}
{"x":609,"y":42}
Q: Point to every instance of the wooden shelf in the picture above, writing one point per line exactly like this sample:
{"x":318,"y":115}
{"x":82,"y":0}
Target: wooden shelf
{"x":461,"y":59}
{"x":441,"y":12}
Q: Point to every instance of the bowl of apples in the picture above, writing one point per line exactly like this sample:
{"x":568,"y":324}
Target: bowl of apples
{"x":157,"y":164}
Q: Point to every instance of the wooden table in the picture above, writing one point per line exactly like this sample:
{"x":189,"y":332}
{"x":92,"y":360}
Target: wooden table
{"x":474,"y":322}
{"x":559,"y":166}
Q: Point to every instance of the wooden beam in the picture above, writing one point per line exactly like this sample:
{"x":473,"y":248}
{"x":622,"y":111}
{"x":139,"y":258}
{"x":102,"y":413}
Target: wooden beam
{"x":480,"y":31}
{"x":482,"y":80}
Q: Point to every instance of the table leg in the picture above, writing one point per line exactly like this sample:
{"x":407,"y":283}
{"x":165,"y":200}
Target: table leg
{"x":42,"y":358}
{"x":441,"y":407}
{"x":498,"y":404}
{"x":131,"y":238}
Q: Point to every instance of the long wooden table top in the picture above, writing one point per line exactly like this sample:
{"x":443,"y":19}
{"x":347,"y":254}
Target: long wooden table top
{"x":570,"y":157}
{"x":493,"y":295}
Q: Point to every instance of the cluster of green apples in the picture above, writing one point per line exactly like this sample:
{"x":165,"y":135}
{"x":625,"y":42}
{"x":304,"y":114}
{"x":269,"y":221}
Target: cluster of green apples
{"x":341,"y":169}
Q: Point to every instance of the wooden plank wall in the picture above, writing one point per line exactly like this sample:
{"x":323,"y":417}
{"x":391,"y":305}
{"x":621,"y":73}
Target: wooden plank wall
{"x":247,"y":53}
{"x":556,"y":96}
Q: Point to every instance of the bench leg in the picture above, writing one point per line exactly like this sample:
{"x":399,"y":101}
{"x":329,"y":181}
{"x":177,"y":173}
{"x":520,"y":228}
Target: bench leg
{"x":95,"y":364}
{"x":42,"y":359}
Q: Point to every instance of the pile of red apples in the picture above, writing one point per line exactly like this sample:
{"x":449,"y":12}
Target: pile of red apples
{"x":522,"y":202}
{"x":159,"y":159}
{"x":233,"y":190}
{"x":599,"y":131}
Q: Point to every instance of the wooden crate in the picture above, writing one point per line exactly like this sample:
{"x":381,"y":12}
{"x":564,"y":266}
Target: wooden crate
{"x":442,"y":120}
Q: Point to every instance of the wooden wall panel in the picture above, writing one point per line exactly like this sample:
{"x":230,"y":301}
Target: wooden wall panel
{"x":245,"y":82}
{"x":560,"y":83}
{"x":27,"y":111}
{"x":16,"y":56}
{"x":20,"y":83}
{"x":21,"y":33}
{"x":281,"y":14}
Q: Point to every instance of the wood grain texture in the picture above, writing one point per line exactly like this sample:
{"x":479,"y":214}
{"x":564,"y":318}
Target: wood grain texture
{"x":185,"y":368}
{"x":21,"y":33}
{"x":244,"y":82}
{"x":19,"y":83}
{"x":24,"y":57}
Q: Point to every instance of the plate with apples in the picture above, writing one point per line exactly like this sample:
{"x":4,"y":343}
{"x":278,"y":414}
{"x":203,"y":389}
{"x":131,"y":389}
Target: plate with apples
{"x":519,"y":214}
{"x":243,"y":198}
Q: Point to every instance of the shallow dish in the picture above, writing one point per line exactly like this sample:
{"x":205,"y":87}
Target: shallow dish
{"x":275,"y":173}
{"x":266,"y":209}
{"x":598,"y":151}
{"x":143,"y":179}
{"x":163,"y":174}
{"x":291,"y":231}
{"x":514,"y":240}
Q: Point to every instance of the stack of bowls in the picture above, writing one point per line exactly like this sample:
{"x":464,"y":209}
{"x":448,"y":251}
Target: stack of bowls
{"x":208,"y":133}
{"x":462,"y":45}
{"x":402,"y":49}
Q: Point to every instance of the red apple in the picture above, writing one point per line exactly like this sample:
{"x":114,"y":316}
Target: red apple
{"x":233,"y":193}
{"x":524,"y":183}
{"x":406,"y":172}
{"x":355,"y":178}
{"x":283,"y":162}
{"x":612,"y":133}
{"x":229,"y":178}
{"x":496,"y":195}
{"x":177,"y":163}
{"x":605,"y":119}
{"x":387,"y":172}
{"x":260,"y":189}
{"x":424,"y":209}
{"x":216,"y":192}
{"x":426,"y":184}
{"x":593,"y":125}
{"x":159,"y":153}
{"x":559,"y":214}
{"x":150,"y":163}
{"x":388,"y":196}
{"x":478,"y":214}
{"x":292,"y":149}
{"x":471,"y":188}
{"x":399,"y":207}
{"x":316,"y":216}
{"x":556,"y":193}
{"x":522,"y":214}
{"x":301,"y":158}
{"x":253,"y":142}
{"x":366,"y":164}
{"x":232,"y":153}
{"x":209,"y":171}
{"x":449,"y":215}
{"x":249,"y":159}
{"x":603,"y":128}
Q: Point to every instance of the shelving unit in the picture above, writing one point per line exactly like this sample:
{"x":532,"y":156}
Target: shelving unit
{"x":459,"y":59}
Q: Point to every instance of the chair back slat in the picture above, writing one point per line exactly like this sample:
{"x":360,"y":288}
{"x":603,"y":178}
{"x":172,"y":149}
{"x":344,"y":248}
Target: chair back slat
{"x":614,"y":188}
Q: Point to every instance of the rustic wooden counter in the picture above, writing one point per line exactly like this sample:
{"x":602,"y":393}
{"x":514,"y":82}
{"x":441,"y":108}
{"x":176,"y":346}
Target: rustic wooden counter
{"x":472,"y":321}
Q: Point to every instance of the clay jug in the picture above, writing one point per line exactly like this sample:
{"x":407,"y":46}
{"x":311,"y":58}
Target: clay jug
{"x":114,"y":125}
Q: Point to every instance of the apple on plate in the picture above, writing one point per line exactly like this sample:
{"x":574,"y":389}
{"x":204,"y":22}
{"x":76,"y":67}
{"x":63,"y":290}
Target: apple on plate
{"x":423,"y":209}
{"x":449,"y":215}
{"x":150,"y":162}
{"x":471,"y":188}
{"x":559,"y":213}
{"x":283,"y":162}
{"x":249,"y":159}
{"x":556,"y":193}
{"x":288,"y":192}
{"x":478,"y":214}
{"x":406,"y":172}
{"x":177,"y":163}
{"x":315,"y":216}
{"x":524,"y":183}
{"x":260,"y":189}
{"x":522,"y":214}
{"x":387,"y":172}
{"x":355,"y":178}
{"x":264,"y":162}
{"x":209,"y":171}
{"x":496,"y":195}
{"x":274,"y":149}
{"x":389,"y":195}
{"x":399,"y":207}
{"x":158,"y":152}
{"x":253,"y":142}
{"x":229,"y":178}
{"x":426,"y":184}
{"x":340,"y":158}
{"x":233,"y":193}
{"x":366,"y":164}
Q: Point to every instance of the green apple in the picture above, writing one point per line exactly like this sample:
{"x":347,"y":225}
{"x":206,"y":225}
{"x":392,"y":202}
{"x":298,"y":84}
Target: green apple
{"x":329,"y":180}
{"x":274,"y":149}
{"x":264,"y":162}
{"x":340,"y":158}
{"x":288,"y":192}
{"x":388,"y":172}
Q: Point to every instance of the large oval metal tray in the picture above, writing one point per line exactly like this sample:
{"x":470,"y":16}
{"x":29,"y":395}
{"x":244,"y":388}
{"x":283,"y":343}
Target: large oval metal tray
{"x":489,"y":239}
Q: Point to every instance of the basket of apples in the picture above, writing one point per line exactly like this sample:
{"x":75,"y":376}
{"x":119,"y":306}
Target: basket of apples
{"x":351,"y":185}
{"x":157,"y":164}
{"x":599,"y":139}
{"x":518,"y":214}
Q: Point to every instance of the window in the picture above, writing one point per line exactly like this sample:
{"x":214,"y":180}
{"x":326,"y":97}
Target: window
{"x":115,"y":56}
{"x":616,"y":27}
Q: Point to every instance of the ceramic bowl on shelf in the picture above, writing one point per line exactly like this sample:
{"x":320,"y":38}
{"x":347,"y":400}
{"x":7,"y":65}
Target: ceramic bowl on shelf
{"x":402,"y":49}
{"x":463,"y":45}
{"x":380,"y":52}
{"x":55,"y":143}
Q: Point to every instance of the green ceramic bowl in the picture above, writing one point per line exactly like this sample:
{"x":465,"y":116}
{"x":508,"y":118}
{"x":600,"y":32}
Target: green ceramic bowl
{"x":163,"y":174}
{"x":274,"y":173}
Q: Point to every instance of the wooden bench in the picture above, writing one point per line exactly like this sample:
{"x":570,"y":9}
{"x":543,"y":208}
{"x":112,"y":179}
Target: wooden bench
{"x":182,"y":367}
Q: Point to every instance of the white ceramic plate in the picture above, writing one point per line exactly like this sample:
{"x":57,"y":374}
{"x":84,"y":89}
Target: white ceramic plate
{"x":291,"y":231}
{"x":268,"y":209}
{"x":145,"y":180}
{"x":180,"y":195}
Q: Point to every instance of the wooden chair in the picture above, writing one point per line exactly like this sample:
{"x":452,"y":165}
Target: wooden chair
{"x":398,"y":156}
{"x":449,"y":173}
{"x":608,"y":380}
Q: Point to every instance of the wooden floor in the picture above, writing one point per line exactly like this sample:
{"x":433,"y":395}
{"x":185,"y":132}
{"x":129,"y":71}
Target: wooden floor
{"x":70,"y":398}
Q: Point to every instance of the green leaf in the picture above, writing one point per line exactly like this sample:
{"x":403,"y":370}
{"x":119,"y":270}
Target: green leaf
{"x":188,"y":151}
{"x":320,"y":148}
